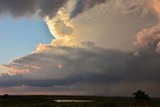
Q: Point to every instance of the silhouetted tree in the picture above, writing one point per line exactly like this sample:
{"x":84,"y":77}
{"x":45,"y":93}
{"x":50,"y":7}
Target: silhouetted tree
{"x":5,"y":96}
{"x":141,"y":95}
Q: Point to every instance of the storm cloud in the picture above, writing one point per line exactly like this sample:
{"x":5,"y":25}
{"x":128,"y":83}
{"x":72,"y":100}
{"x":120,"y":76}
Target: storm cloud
{"x":97,"y":52}
{"x":43,"y":8}
{"x":83,"y":5}
{"x":19,"y":8}
{"x":89,"y":66}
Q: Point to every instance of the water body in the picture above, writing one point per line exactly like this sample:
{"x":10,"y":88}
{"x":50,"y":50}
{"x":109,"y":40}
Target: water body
{"x":73,"y":101}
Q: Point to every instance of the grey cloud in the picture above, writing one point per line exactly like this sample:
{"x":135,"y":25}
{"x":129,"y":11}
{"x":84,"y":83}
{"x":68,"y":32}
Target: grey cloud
{"x":21,"y":80}
{"x":83,"y":5}
{"x":50,"y":7}
{"x":18,"y":8}
{"x":95,"y":67}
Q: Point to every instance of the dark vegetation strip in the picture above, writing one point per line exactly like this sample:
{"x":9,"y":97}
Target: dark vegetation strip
{"x":48,"y":101}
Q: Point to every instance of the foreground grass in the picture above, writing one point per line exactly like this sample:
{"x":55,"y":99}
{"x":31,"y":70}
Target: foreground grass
{"x":48,"y":101}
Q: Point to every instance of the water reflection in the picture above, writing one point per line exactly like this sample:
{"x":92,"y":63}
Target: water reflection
{"x":73,"y":101}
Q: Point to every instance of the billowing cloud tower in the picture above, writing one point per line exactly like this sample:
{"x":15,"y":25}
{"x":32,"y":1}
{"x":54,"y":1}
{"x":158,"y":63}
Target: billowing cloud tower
{"x":100,"y":46}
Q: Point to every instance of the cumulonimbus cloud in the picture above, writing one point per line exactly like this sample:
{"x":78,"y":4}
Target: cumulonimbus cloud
{"x":19,"y":8}
{"x":148,"y":39}
{"x":83,"y":5}
{"x":70,"y":61}
{"x":88,"y":65}
{"x":43,"y":8}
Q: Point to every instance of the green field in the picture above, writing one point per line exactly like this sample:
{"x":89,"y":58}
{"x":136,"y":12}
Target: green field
{"x":50,"y":101}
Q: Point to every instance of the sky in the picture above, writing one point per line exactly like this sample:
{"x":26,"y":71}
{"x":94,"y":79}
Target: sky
{"x":22,"y":43}
{"x":80,"y":47}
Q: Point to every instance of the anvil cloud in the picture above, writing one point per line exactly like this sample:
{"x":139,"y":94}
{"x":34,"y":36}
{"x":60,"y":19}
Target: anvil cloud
{"x":99,"y":47}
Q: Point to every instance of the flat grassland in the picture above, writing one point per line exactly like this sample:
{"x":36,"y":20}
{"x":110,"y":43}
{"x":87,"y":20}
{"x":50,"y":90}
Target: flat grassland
{"x":74,"y":101}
